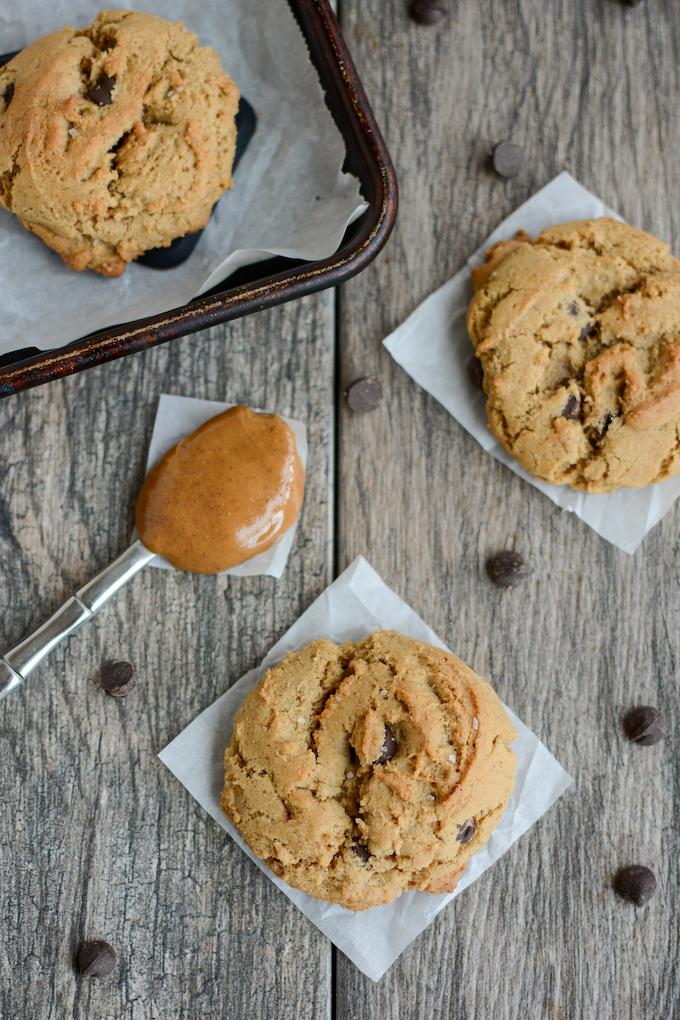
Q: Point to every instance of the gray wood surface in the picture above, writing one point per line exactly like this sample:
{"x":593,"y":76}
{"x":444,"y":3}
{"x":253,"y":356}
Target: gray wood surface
{"x":98,"y":840}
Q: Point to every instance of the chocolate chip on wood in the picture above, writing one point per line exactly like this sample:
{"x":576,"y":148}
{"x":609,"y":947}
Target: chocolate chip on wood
{"x":364,"y":395}
{"x":644,"y":725}
{"x":96,"y":959}
{"x":508,"y":568}
{"x":507,"y":159}
{"x":635,"y":883}
{"x":118,"y":678}
{"x":427,"y":12}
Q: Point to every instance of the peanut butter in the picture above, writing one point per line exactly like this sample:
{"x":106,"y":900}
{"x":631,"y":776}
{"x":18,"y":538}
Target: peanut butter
{"x":224,"y":494}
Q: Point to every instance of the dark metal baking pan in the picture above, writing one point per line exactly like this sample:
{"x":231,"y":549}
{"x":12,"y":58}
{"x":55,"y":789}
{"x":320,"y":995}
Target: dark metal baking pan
{"x":277,"y":280}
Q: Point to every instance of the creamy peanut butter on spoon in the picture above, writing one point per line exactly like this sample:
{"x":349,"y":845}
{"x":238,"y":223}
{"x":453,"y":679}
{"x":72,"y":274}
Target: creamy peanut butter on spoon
{"x":224,"y":494}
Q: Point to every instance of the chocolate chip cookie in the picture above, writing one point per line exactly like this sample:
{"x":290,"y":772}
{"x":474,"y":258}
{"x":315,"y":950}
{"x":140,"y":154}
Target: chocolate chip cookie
{"x":578,"y":333}
{"x":116,"y":138}
{"x":358,"y":771}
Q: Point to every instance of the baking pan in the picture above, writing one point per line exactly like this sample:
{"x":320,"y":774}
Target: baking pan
{"x":269,"y":283}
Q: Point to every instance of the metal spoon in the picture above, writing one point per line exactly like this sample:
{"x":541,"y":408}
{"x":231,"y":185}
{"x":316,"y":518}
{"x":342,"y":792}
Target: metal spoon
{"x":16,"y":665}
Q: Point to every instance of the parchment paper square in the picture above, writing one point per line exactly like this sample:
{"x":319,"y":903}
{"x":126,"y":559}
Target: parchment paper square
{"x":356,"y":604}
{"x":432,"y":345}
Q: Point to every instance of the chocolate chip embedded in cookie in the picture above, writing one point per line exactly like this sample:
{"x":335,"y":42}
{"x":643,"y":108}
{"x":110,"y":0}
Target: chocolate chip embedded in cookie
{"x":358,"y":771}
{"x":578,"y":333}
{"x":116,"y":138}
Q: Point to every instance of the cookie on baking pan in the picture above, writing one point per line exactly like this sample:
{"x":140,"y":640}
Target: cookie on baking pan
{"x":115,"y":139}
{"x":578,"y":334}
{"x":358,"y":771}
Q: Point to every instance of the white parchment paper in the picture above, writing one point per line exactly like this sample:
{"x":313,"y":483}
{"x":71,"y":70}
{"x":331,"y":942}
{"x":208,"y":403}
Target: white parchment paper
{"x":289,"y":198}
{"x":432,"y":345}
{"x":176,"y":417}
{"x":358,"y":603}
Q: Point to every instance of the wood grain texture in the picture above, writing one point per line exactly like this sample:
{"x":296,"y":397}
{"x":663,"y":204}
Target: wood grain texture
{"x":97,"y":838}
{"x":591,"y":87}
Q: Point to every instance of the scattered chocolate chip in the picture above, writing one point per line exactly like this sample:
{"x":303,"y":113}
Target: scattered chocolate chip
{"x":8,"y":94}
{"x":466,"y":831}
{"x":96,"y":959}
{"x":364,"y":395}
{"x":388,"y":748}
{"x":572,"y":408}
{"x":573,"y":308}
{"x":590,"y":329}
{"x":644,"y":725}
{"x":507,"y":159}
{"x":474,"y":372}
{"x":506,"y":569}
{"x":636,"y":883}
{"x":361,"y":850}
{"x":100,"y":91}
{"x":118,"y":678}
{"x":603,"y":425}
{"x":427,"y":12}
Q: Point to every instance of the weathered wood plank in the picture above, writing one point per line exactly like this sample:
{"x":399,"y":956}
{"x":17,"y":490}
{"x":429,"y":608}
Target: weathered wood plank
{"x":96,"y":837}
{"x":593,"y":88}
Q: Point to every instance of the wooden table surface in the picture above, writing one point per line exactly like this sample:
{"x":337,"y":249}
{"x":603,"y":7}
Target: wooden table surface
{"x":97,"y":839}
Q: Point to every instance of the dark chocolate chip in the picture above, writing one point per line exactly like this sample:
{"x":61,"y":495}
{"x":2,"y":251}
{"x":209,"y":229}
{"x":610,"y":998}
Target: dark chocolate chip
{"x":573,"y":308}
{"x":118,"y":678}
{"x":389,"y":746}
{"x":100,"y":92}
{"x":507,"y":159}
{"x":506,"y":569}
{"x":428,"y":12}
{"x":361,"y":850}
{"x":644,"y":725}
{"x":364,"y":395}
{"x":96,"y":959}
{"x":590,"y":329}
{"x":572,"y":408}
{"x":8,"y":94}
{"x":636,"y":883}
{"x":603,"y":425}
{"x":466,"y":831}
{"x":474,"y":372}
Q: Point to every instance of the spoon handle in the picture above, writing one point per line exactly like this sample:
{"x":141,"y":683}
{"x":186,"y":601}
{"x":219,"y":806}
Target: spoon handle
{"x":16,"y":664}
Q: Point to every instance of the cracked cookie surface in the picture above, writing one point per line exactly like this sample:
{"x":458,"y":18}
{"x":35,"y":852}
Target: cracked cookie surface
{"x":116,"y":138}
{"x":578,"y":334}
{"x":360,"y":770}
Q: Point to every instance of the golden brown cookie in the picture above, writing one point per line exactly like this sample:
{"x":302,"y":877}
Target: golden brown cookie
{"x":578,"y":333}
{"x":115,"y":139}
{"x":358,"y":771}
